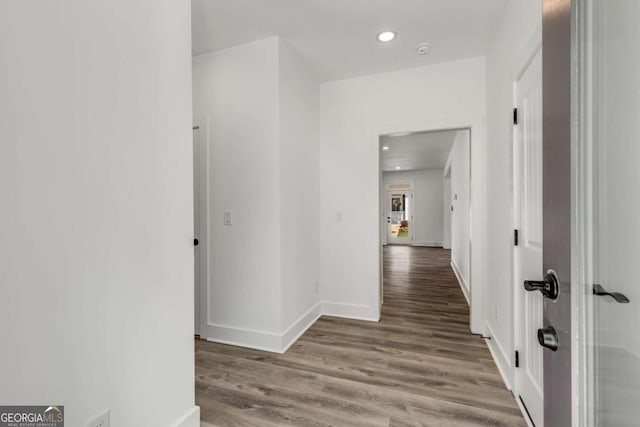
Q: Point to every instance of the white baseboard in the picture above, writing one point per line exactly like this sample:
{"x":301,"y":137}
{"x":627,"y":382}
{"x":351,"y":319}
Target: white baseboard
{"x":463,"y":283}
{"x":300,"y":326}
{"x":500,"y":357}
{"x":280,"y":343}
{"x":191,"y":419}
{"x":350,"y":311}
{"x":428,"y":244}
{"x":263,"y":340}
{"x":258,"y":340}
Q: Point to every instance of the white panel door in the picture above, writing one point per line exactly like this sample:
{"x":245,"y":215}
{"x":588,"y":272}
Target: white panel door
{"x":528,"y":251}
{"x":200,"y":228}
{"x":196,"y":229}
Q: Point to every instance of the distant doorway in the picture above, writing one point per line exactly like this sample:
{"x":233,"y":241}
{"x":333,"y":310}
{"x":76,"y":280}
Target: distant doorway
{"x":399,"y":217}
{"x":425,"y":194}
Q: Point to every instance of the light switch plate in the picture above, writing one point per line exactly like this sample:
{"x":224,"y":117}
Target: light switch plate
{"x":101,"y":420}
{"x":228,"y":218}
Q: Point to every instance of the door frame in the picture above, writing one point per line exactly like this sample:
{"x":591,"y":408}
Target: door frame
{"x":477,"y":205}
{"x":202,"y":291}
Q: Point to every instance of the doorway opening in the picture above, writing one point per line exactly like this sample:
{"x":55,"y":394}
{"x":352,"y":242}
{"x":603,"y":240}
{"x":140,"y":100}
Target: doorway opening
{"x":426,"y":196}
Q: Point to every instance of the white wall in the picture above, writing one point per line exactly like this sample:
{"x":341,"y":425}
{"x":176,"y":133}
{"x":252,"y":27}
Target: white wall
{"x":300,"y":189}
{"x":459,"y":162}
{"x":353,"y":114}
{"x":236,"y":99}
{"x":516,"y":37}
{"x":96,"y":214}
{"x":428,"y":220}
{"x":259,"y":105}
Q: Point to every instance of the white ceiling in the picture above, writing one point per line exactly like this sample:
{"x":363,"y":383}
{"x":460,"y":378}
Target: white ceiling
{"x":424,"y":150}
{"x":338,"y":37}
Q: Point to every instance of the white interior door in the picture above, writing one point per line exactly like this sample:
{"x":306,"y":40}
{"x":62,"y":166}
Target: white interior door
{"x":528,"y":251}
{"x":399,"y":217}
{"x":200,"y":229}
{"x":609,"y":210}
{"x":196,"y":228}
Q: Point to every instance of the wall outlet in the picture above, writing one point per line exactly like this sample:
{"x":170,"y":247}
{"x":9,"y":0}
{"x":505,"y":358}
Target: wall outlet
{"x":101,"y":420}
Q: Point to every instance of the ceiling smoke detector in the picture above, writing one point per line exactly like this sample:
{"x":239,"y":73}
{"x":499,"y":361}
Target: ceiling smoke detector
{"x":424,"y":48}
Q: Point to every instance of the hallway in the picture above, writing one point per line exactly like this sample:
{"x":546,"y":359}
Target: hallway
{"x":419,"y":365}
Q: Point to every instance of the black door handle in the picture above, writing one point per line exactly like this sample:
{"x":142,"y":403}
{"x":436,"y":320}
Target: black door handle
{"x":548,"y":338}
{"x":600,"y":291}
{"x":548,"y":286}
{"x":195,"y":242}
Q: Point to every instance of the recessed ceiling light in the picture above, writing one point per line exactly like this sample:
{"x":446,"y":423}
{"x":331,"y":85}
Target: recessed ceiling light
{"x":386,"y":36}
{"x":398,"y":168}
{"x":385,"y":148}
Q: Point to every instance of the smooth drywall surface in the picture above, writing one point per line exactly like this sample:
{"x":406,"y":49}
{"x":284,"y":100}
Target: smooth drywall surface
{"x":428,"y":220}
{"x":235,"y":94}
{"x":459,"y":161}
{"x":352,"y":113}
{"x":259,"y":105}
{"x":96,"y":212}
{"x":517,"y":35}
{"x":299,"y":187}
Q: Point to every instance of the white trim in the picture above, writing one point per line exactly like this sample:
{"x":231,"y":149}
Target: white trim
{"x":477,"y":204}
{"x":205,"y":247}
{"x":351,"y":311}
{"x":263,"y":340}
{"x":190,"y":419}
{"x":501,"y":359}
{"x":525,"y":414}
{"x":300,"y":326}
{"x":463,"y":283}
{"x":241,"y":337}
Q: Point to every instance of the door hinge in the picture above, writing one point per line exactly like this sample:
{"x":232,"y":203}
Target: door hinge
{"x":515,"y":238}
{"x":517,"y":359}
{"x":515,"y":116}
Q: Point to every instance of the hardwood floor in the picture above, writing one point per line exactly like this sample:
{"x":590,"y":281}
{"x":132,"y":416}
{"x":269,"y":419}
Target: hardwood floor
{"x":419,"y":366}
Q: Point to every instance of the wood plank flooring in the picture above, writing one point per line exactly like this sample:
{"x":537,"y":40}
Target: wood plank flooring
{"x":419,"y":366}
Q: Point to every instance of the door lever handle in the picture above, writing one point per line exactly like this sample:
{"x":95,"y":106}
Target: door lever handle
{"x":548,"y":286}
{"x":600,"y":291}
